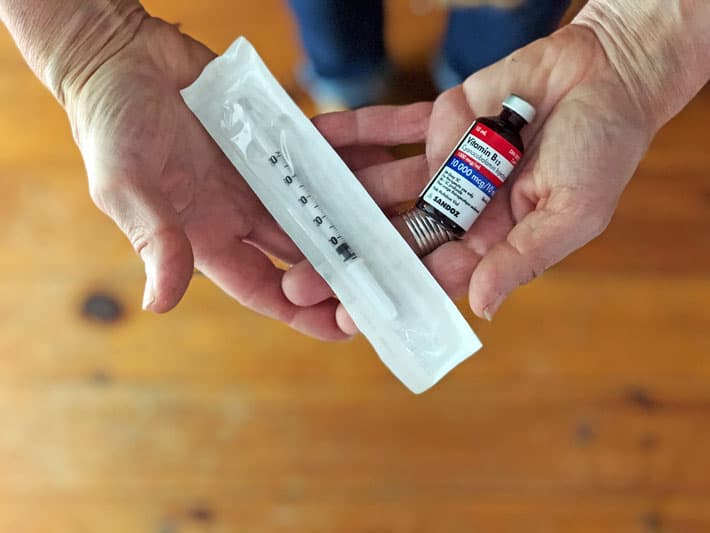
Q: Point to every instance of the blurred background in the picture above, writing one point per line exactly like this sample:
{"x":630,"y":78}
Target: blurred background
{"x":588,"y":410}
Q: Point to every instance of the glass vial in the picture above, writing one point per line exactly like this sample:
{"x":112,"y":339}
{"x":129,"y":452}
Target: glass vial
{"x":477,"y":167}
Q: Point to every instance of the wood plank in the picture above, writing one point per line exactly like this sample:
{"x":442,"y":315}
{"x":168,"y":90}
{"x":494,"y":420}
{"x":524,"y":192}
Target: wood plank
{"x":646,"y":326}
{"x":587,"y":410}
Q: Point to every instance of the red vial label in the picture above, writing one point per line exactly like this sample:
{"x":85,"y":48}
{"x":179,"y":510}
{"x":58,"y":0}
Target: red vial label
{"x":476,"y":169}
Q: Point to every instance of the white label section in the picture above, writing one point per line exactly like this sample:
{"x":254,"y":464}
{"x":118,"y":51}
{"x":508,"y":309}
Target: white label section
{"x":456,"y":198}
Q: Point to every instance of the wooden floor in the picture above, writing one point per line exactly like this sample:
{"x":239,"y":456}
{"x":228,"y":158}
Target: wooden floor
{"x":588,"y":411}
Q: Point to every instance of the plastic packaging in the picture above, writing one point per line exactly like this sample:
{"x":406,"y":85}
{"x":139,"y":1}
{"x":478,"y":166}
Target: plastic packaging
{"x":415,"y":328}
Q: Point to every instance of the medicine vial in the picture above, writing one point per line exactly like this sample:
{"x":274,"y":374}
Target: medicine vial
{"x":478,"y":166}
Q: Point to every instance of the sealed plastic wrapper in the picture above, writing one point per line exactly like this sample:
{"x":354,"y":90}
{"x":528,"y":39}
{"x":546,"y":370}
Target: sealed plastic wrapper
{"x":413,"y":325}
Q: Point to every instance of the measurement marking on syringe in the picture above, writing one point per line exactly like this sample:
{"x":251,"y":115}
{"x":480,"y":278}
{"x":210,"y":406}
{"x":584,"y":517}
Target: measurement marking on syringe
{"x":308,"y":202}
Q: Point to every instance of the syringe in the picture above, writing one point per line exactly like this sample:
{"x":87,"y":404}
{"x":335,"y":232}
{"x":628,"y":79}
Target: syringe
{"x":308,"y":204}
{"x":304,"y":206}
{"x":308,"y":210}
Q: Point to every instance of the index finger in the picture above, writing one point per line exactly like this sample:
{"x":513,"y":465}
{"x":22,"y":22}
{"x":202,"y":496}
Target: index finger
{"x":377,"y":125}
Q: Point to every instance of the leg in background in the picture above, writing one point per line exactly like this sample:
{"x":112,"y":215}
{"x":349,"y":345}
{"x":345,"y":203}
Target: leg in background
{"x":344,"y":43}
{"x":478,"y":37}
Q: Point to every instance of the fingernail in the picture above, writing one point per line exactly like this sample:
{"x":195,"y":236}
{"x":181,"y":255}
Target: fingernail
{"x":487,"y":314}
{"x":148,"y":295}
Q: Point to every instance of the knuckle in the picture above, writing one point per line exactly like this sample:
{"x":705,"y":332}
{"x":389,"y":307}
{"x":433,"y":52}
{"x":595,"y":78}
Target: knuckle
{"x":592,"y":216}
{"x":141,"y":236}
{"x":317,"y":121}
{"x":531,"y":270}
{"x":110,"y":197}
{"x":537,"y":269}
{"x":110,"y":194}
{"x":533,"y":262}
{"x":138,"y":235}
{"x":597,"y":222}
{"x":100,"y":192}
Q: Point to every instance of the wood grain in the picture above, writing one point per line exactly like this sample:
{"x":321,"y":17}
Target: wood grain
{"x":588,"y":410}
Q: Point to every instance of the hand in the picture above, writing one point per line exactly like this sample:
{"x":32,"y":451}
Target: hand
{"x":155,"y":171}
{"x":582,"y":149}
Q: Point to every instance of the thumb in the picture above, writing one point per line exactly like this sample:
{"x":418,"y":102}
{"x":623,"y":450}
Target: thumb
{"x":156,"y":232}
{"x":541,"y":239}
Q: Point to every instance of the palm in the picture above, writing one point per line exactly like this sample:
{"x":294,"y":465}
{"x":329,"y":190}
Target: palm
{"x":582,"y":149}
{"x":155,"y":171}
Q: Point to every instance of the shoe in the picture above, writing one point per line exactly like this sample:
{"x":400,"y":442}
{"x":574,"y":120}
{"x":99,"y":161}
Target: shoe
{"x":331,"y":94}
{"x":444,"y":75}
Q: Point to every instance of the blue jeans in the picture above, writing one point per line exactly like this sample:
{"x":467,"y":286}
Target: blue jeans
{"x":345,"y":48}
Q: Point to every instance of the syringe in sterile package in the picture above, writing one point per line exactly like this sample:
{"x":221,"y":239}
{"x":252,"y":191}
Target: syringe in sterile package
{"x":415,"y":328}
{"x":303,"y":204}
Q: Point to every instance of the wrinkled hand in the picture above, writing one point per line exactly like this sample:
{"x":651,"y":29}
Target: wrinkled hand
{"x":582,"y":149}
{"x":154,"y":170}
